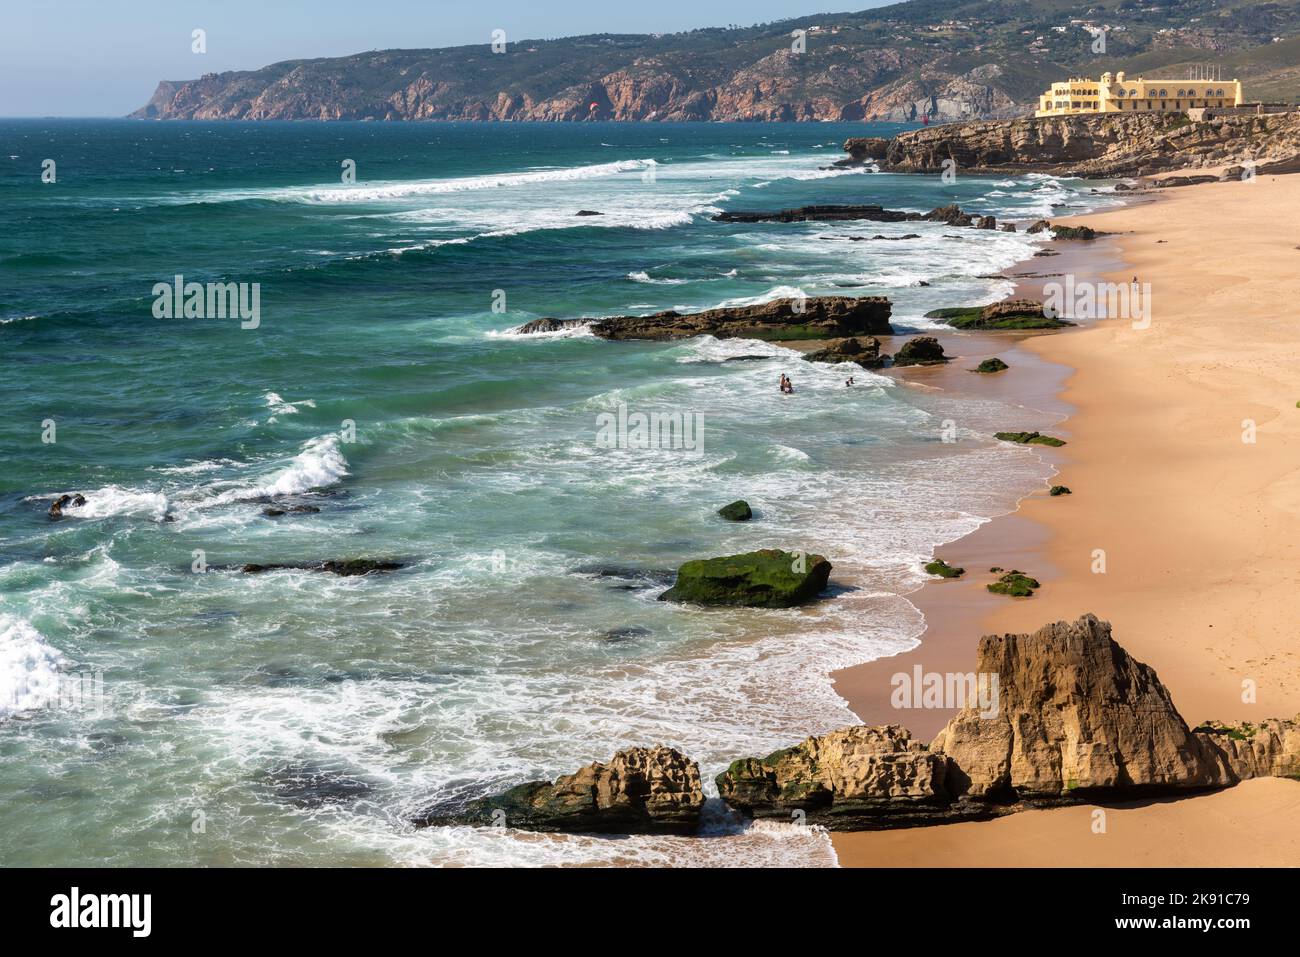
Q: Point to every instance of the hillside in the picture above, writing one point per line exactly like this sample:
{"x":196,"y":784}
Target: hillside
{"x":945,"y":60}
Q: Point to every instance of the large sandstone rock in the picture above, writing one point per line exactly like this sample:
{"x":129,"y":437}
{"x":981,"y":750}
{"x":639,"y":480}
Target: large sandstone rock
{"x":1077,"y":716}
{"x":639,"y":791}
{"x":852,"y":779}
{"x":1270,"y":749}
{"x":768,"y":578}
{"x":779,"y":320}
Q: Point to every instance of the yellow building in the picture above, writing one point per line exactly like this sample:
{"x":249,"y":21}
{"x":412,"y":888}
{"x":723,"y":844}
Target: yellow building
{"x":1115,"y":93}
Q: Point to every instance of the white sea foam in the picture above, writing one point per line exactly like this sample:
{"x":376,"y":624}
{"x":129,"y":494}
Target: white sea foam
{"x":279,"y":406}
{"x":29,"y":667}
{"x":642,"y":276}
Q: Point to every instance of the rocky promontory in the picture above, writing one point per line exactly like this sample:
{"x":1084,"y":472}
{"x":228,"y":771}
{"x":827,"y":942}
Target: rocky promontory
{"x":1093,"y":145}
{"x":810,"y":317}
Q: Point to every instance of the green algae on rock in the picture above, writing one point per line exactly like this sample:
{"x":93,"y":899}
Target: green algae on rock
{"x":768,"y":578}
{"x":1014,"y":583}
{"x":943,"y":569}
{"x":1029,"y":438}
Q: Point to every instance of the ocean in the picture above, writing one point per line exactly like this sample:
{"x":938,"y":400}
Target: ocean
{"x":159,"y":708}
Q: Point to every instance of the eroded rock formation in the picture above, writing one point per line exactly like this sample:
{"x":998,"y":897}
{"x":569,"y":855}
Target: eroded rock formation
{"x":638,"y":791}
{"x":812,"y":317}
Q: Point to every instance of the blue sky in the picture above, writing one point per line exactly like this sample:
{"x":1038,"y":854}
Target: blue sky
{"x":104,"y":57}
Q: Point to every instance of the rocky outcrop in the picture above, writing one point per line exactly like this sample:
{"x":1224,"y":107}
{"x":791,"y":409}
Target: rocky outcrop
{"x":768,"y":578}
{"x":638,"y":791}
{"x":950,"y":215}
{"x":737,"y":511}
{"x":1076,"y":716}
{"x":809,"y":214}
{"x":1014,"y":583}
{"x":860,"y":778}
{"x":921,"y":351}
{"x":1066,"y":716}
{"x":990,"y":366}
{"x":812,"y":317}
{"x":75,"y":500}
{"x":862,"y":351}
{"x":862,"y":149}
{"x":1268,"y":749}
{"x":1007,"y":314}
{"x":1097,"y":145}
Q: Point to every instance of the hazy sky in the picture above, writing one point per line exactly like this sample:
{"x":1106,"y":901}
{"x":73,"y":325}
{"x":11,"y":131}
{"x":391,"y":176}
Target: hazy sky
{"x":104,"y":57}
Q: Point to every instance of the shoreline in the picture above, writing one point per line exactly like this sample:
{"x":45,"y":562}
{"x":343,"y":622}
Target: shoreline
{"x":1152,"y":521}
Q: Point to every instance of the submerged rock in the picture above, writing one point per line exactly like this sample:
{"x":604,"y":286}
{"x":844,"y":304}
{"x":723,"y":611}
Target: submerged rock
{"x":862,"y":351}
{"x":921,"y":351}
{"x":989,"y":366}
{"x":63,"y":501}
{"x":310,"y":786}
{"x":588,"y":212}
{"x":639,"y":791}
{"x":275,"y":511}
{"x":1029,"y":438}
{"x":737,"y":511}
{"x":768,"y":578}
{"x":1077,"y":718}
{"x":345,"y":567}
{"x":778,"y":320}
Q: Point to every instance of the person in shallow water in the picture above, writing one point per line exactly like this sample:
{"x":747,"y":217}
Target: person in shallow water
{"x":786,"y":385}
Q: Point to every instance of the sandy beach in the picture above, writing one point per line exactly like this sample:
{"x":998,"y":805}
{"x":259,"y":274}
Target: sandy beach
{"x":1184,"y":466}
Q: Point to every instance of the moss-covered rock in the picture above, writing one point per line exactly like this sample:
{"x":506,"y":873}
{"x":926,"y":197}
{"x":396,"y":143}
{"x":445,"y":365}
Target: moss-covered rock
{"x":1060,"y":490}
{"x":991,"y":365}
{"x":1014,"y":583}
{"x":1007,"y":314}
{"x":768,"y":578}
{"x":943,"y":569}
{"x":921,"y":351}
{"x":1029,"y":438}
{"x":737,"y":511}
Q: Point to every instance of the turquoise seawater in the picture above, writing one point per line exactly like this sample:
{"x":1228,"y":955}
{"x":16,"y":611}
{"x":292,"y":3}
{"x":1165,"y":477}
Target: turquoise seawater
{"x":155,"y":714}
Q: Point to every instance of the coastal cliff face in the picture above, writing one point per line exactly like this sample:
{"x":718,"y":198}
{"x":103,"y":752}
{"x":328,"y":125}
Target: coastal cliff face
{"x":903,"y":62}
{"x":1097,"y":145}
